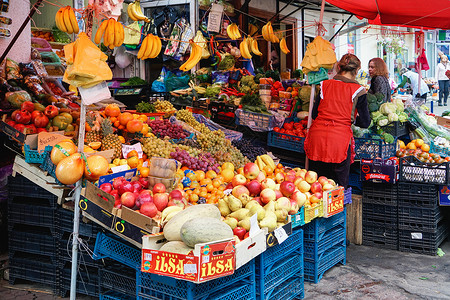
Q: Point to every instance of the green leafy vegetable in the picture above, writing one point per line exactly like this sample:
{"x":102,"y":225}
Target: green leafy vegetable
{"x":133,"y":81}
{"x":145,"y":107}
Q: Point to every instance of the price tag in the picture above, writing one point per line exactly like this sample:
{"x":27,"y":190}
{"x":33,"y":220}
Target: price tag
{"x":145,"y":164}
{"x":280,"y":234}
{"x":205,"y":259}
{"x":190,"y":269}
{"x":297,"y":218}
{"x":227,"y":192}
{"x":215,"y":17}
{"x":128,"y":148}
{"x":416,"y":235}
{"x":119,"y":168}
{"x":254,"y":227}
{"x":94,"y":94}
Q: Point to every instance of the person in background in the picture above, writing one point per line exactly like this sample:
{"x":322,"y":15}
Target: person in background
{"x":412,"y":78}
{"x":442,"y":79}
{"x":379,"y":82}
{"x":342,"y":102}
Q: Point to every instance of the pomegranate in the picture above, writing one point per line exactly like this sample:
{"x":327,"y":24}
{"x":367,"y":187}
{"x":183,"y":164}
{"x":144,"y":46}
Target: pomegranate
{"x":28,"y":106}
{"x":23,"y":117}
{"x":41,"y":120}
{"x":34,"y":114}
{"x":51,"y":111}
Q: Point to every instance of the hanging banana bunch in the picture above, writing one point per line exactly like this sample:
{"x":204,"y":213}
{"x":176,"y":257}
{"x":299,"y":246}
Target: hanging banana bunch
{"x":66,"y":21}
{"x":135,"y":12}
{"x":244,"y":48}
{"x":194,"y":58}
{"x":112,"y":33}
{"x":268,"y":35}
{"x":283,"y":46}
{"x":252,"y":29}
{"x":253,"y":46}
{"x":150,"y":47}
{"x":233,"y":32}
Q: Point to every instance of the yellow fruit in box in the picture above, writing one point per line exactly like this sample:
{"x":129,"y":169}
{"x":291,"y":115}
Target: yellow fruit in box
{"x":123,"y":162}
{"x":116,"y":161}
{"x":122,"y":139}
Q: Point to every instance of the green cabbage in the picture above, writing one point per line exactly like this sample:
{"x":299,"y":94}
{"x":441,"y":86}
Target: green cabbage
{"x":392,"y":117}
{"x":387,"y":108}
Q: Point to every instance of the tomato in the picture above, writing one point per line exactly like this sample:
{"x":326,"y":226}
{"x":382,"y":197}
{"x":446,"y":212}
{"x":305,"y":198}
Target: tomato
{"x":291,"y":132}
{"x":288,"y":126}
{"x":276,"y":129}
{"x":282,"y":130}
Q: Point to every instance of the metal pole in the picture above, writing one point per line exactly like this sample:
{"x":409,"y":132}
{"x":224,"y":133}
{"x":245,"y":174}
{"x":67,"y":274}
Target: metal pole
{"x":76,"y":215}
{"x":19,"y":32}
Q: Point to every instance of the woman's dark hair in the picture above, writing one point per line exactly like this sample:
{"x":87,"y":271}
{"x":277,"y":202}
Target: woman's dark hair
{"x":381,"y":68}
{"x":349,"y":63}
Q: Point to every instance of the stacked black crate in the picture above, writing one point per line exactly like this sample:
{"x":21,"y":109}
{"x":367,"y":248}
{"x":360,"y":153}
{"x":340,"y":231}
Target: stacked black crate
{"x":421,"y":222}
{"x":31,"y":229}
{"x":380,"y":215}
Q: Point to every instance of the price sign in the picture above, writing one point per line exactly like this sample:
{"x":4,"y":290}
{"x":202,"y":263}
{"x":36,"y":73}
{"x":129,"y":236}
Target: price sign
{"x":280,"y":234}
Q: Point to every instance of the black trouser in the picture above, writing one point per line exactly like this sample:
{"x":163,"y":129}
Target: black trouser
{"x":443,"y":91}
{"x":339,"y":172}
{"x":424,"y":96}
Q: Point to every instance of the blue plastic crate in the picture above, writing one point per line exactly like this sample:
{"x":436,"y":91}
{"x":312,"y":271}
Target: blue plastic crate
{"x":269,"y":277}
{"x":331,"y":238}
{"x":256,"y":121}
{"x":49,"y":167}
{"x":315,"y":230}
{"x":34,"y":156}
{"x":151,"y":286}
{"x":348,"y":196}
{"x":278,"y":252}
{"x":315,"y":270}
{"x":118,"y":280}
{"x":118,"y":250}
{"x":299,"y":218}
{"x":373,"y":146}
{"x":286,"y":141}
{"x":112,"y":295}
{"x":355,"y":183}
{"x":292,"y":288}
{"x":87,"y":282}
{"x":37,"y":240}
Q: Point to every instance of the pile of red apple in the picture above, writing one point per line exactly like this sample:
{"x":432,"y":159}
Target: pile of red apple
{"x":136,"y":195}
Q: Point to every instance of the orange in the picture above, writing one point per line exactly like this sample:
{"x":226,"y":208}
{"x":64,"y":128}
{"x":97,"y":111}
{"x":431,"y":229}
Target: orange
{"x":194,"y":184}
{"x":203,"y":189}
{"x":116,"y":124}
{"x":411,"y":146}
{"x":125,"y":117}
{"x":203,"y":194}
{"x":184,"y":168}
{"x":205,"y":181}
{"x":210,"y":187}
{"x":133,"y":161}
{"x":193,"y":197}
{"x":144,"y":129}
{"x":216,"y":182}
{"x":122,"y":139}
{"x":227,"y":175}
{"x":196,"y":191}
{"x":240,"y":171}
{"x":188,"y":192}
{"x":279,"y":166}
{"x":199,"y":174}
{"x":113,"y":119}
{"x":144,"y":172}
{"x":419,"y":143}
{"x":314,"y":200}
{"x":227,"y":165}
{"x":132,"y":153}
{"x":268,"y":170}
{"x":211,"y":174}
{"x":401,"y":144}
{"x":95,"y":145}
{"x":425,"y":147}
{"x":143,"y":118}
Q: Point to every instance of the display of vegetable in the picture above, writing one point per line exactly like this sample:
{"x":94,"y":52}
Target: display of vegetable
{"x":434,"y":130}
{"x":133,"y":81}
{"x":145,"y":107}
{"x":374,"y":101}
{"x":226,"y":63}
{"x":248,"y":85}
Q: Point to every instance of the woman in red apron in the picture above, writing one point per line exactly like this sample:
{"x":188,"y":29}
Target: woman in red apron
{"x":329,"y":141}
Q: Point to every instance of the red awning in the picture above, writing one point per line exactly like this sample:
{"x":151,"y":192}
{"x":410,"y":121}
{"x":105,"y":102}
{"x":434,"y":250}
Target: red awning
{"x":431,"y":14}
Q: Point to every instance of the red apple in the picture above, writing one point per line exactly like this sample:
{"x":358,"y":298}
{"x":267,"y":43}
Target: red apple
{"x":137,"y":187}
{"x":144,"y":182}
{"x":229,"y":186}
{"x":267,"y":195}
{"x":251,"y":170}
{"x":107,"y":187}
{"x":319,"y":195}
{"x":117,"y":182}
{"x":239,"y":232}
{"x":331,"y":181}
{"x":240,"y":190}
{"x":261,"y":176}
{"x":314,"y":199}
{"x":311,"y":176}
{"x":178,"y":202}
{"x":126,"y":186}
{"x":159,"y":188}
{"x":327,"y":186}
{"x":279,"y":178}
{"x":299,"y":197}
{"x":301,"y":173}
{"x":175,"y":195}
{"x":316,"y":187}
{"x":247,"y":235}
{"x":322,"y":180}
{"x":290,"y":176}
{"x":148,"y":209}
{"x":258,"y":199}
{"x":287,"y":188}
{"x":278,"y":194}
{"x":238,"y":179}
{"x":283,"y":203}
{"x":118,"y":203}
{"x":128,"y":199}
{"x":161,"y":200}
{"x":254,"y":187}
{"x":145,"y":196}
{"x":268,"y":183}
{"x":294,"y":207}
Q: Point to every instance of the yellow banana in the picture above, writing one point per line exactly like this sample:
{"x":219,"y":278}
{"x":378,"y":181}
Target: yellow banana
{"x":169,"y":210}
{"x":268,"y":161}
{"x":252,"y":29}
{"x":243,"y":47}
{"x":110,"y":32}
{"x":66,"y":19}
{"x":148,"y":47}
{"x":117,"y":35}
{"x":194,"y":58}
{"x":143,"y":48}
{"x":283,"y":46}
{"x":156,"y":46}
{"x":260,"y":163}
{"x":254,"y":47}
{"x":100,"y":32}
{"x":236,"y":32}
{"x":73,"y":20}
{"x":265,"y":32}
{"x":59,"y":20}
{"x":140,"y":12}
{"x":130,"y":12}
{"x":230,"y":32}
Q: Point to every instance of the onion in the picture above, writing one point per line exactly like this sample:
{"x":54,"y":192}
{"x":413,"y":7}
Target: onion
{"x":70,"y":169}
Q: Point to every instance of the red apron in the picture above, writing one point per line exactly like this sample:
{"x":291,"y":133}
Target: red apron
{"x":330,"y":134}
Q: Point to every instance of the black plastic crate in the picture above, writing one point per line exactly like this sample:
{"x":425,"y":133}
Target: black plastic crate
{"x":37,"y":240}
{"x":374,"y":146}
{"x":413,"y":170}
{"x":64,"y":255}
{"x":64,"y":224}
{"x":379,"y":215}
{"x":380,"y":237}
{"x":418,"y":195}
{"x":32,"y":267}
{"x":19,"y":186}
{"x":26,"y":210}
{"x":87,"y":281}
{"x":396,"y":128}
{"x":422,"y":219}
{"x":422,"y":242}
{"x":118,"y":279}
{"x":380,"y":193}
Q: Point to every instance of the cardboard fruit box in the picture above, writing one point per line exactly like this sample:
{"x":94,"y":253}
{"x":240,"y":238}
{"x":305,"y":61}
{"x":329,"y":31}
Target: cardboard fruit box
{"x":333,"y":202}
{"x":208,"y":261}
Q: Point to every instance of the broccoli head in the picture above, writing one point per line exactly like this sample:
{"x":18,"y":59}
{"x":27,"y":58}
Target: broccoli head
{"x":226,"y":63}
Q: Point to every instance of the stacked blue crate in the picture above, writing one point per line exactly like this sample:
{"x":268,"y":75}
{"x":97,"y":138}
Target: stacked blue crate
{"x":279,"y":270}
{"x":324,"y":244}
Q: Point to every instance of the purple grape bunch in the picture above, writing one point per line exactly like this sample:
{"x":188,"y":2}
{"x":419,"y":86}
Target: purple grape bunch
{"x":163,"y":128}
{"x":204,"y":161}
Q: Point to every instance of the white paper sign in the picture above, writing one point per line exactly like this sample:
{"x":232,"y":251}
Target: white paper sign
{"x":254,"y":227}
{"x":190,"y":269}
{"x":215,"y":17}
{"x":416,"y":235}
{"x":128,"y":148}
{"x":280,"y":234}
{"x":95,"y":94}
{"x":227,"y":192}
{"x":119,"y":168}
{"x":205,"y":259}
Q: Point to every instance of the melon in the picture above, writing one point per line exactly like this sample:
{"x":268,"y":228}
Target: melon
{"x":176,"y":247}
{"x":204,"y":230}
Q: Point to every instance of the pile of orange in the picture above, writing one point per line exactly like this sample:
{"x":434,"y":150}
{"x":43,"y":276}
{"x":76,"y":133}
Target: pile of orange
{"x":415,"y":144}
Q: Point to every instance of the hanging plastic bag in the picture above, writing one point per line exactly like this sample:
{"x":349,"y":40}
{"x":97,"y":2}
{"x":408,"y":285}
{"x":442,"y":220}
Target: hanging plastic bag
{"x":158,"y":85}
{"x":174,"y":82}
